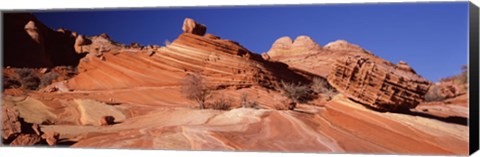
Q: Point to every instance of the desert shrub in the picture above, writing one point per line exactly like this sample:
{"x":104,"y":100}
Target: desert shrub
{"x":221,"y":103}
{"x":24,"y":72}
{"x":9,"y":82}
{"x":279,"y":106}
{"x":47,"y":79}
{"x":194,"y":88}
{"x":246,"y":103}
{"x":321,"y":86}
{"x":69,"y":71}
{"x":463,"y":77}
{"x":298,"y":93}
{"x":433,"y":94}
{"x":459,"y":79}
{"x":28,"y":78}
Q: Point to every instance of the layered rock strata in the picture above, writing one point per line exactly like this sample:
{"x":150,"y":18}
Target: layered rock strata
{"x":381,"y":86}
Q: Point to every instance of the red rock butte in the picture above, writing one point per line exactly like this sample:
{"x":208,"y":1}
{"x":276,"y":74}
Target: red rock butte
{"x":129,"y":96}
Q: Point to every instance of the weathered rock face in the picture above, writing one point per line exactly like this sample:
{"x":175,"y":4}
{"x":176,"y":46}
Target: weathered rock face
{"x":17,"y":132}
{"x":190,"y":26}
{"x":80,"y":41}
{"x":405,"y":67}
{"x":11,"y":126}
{"x":378,"y":85}
{"x":26,"y":140}
{"x":51,"y":138}
{"x":29,"y":43}
{"x":224,"y":63}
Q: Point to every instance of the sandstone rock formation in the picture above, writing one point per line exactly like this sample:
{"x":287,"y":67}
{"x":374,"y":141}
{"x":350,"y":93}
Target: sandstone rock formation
{"x":405,"y":67}
{"x":305,"y":42}
{"x":287,"y":46}
{"x":11,"y":125}
{"x":51,"y":138}
{"x":80,"y":41}
{"x":17,"y":132}
{"x":223,"y":62}
{"x":342,"y":45}
{"x":190,"y":26}
{"x":26,"y":140}
{"x":305,"y":54}
{"x":378,"y":85}
{"x":33,"y":31}
{"x":139,"y":87}
{"x":32,"y":44}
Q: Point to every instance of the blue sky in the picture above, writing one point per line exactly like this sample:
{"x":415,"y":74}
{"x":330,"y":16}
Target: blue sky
{"x":431,"y":37}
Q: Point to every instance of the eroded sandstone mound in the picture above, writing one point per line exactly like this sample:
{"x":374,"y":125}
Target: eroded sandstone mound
{"x":305,"y":54}
{"x":222,"y":62}
{"x":381,"y":86}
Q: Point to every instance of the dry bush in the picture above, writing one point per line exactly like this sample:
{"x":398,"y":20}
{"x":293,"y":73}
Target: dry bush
{"x":298,"y":93}
{"x":9,"y":82}
{"x":47,"y":79}
{"x":246,"y":103}
{"x":221,"y":103}
{"x":433,"y":94}
{"x":459,"y":79}
{"x":69,"y":71}
{"x":321,"y":86}
{"x":194,"y":88}
{"x":279,"y":106}
{"x":28,"y":78}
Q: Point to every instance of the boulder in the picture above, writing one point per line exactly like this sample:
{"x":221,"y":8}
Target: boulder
{"x":265,"y":56}
{"x":51,"y":138}
{"x":190,"y":26}
{"x":448,"y":91}
{"x":80,"y":41}
{"x":107,"y":120}
{"x":36,"y":129}
{"x":378,"y":85}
